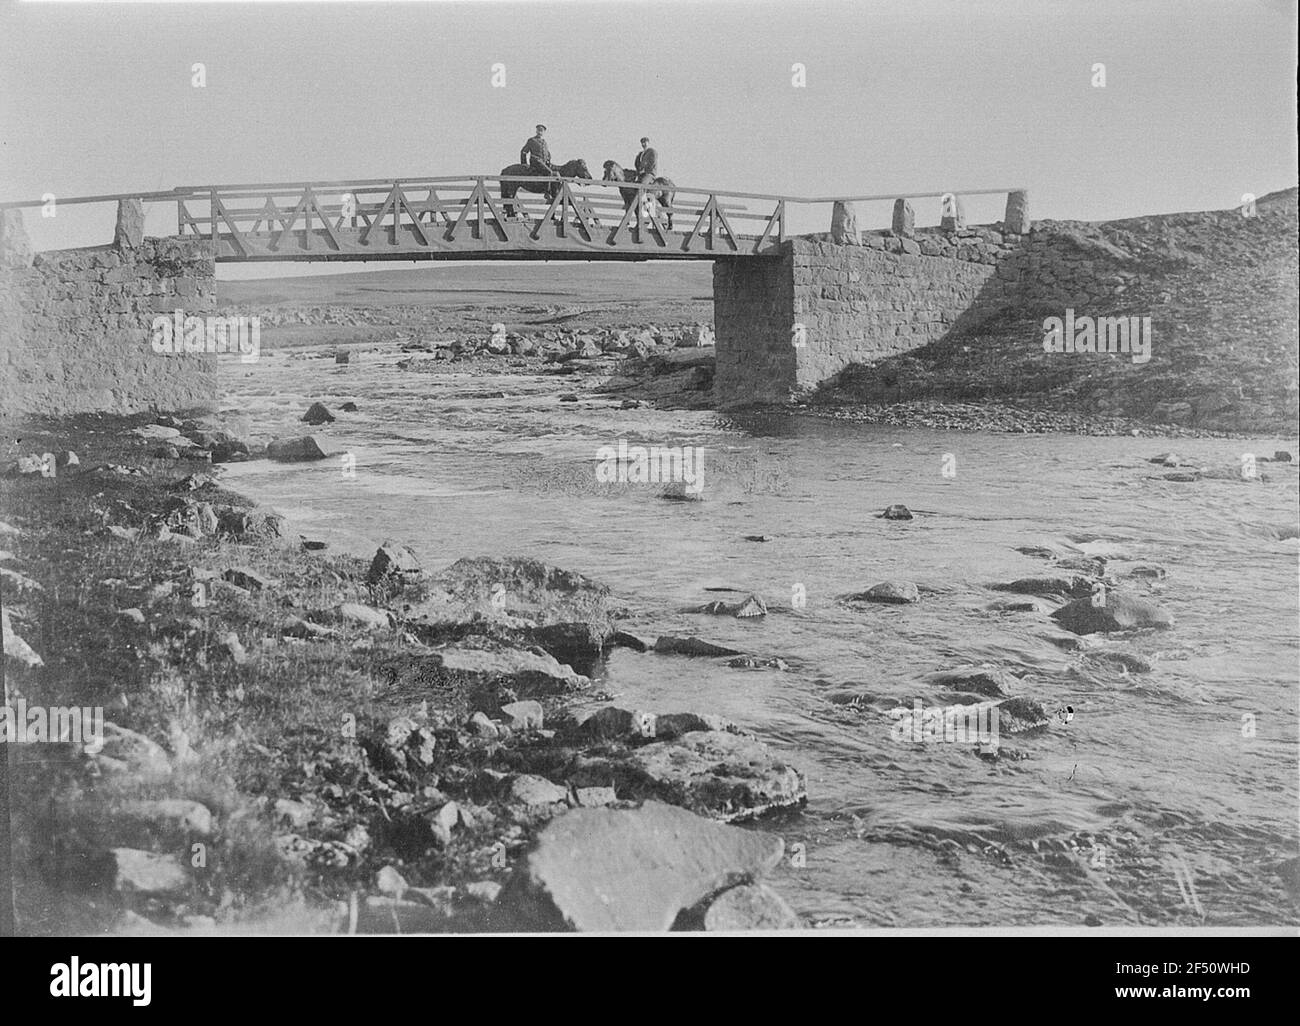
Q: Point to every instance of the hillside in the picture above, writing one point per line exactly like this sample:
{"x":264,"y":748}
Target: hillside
{"x":1221,"y":292}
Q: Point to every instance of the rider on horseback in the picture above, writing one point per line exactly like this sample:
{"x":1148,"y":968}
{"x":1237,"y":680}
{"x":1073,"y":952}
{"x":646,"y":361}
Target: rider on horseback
{"x":647,"y":163}
{"x":537,"y":155}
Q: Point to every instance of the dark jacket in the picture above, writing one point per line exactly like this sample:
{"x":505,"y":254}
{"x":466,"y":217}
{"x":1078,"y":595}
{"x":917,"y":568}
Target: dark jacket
{"x":647,"y":162}
{"x":536,"y":154}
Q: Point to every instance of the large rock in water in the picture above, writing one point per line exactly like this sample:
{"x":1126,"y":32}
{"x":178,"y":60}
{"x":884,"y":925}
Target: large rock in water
{"x":630,"y":869}
{"x":891,"y":593}
{"x":716,"y":773}
{"x":1119,"y":612}
{"x":1074,"y":586}
{"x":525,"y":590}
{"x":295,"y":450}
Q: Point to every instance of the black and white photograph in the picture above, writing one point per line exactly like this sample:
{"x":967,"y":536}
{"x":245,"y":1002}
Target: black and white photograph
{"x":650,"y":467}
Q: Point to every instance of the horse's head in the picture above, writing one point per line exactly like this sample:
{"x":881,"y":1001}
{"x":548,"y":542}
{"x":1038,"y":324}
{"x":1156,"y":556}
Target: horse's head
{"x":613,"y":173}
{"x":580,"y":169}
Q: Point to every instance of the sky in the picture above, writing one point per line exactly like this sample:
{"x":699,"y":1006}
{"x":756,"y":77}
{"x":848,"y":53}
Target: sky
{"x":1198,"y":105}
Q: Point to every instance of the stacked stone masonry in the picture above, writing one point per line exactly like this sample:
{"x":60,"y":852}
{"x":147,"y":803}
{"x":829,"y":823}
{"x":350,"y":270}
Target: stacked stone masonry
{"x":76,"y":326}
{"x":787,"y":325}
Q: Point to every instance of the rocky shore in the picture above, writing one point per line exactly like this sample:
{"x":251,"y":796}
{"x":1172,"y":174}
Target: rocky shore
{"x":309,"y":742}
{"x":297,"y":740}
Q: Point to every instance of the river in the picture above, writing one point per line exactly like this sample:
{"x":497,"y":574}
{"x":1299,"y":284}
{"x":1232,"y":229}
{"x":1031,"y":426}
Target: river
{"x":1168,"y":798}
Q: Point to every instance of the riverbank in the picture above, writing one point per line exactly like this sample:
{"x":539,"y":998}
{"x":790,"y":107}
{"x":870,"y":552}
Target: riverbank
{"x":303,"y":741}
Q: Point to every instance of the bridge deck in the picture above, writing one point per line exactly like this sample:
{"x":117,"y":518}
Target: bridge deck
{"x":460,"y":219}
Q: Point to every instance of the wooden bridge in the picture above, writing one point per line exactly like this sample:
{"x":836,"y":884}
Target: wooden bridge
{"x":466,"y":218}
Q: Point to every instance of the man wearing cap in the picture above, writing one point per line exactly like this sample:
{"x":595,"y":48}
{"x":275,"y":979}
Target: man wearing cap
{"x":536,"y":154}
{"x":647,"y":162}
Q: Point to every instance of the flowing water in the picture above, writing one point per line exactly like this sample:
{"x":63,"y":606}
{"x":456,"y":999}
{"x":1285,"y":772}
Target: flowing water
{"x":1169,"y":797}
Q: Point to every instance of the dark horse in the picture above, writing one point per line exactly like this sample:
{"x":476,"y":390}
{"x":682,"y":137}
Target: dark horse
{"x":545,"y":184}
{"x":664,"y":194}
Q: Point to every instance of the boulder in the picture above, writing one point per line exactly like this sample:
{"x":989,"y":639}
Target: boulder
{"x":147,"y":873}
{"x":1073,"y":586}
{"x":130,"y":752}
{"x":673,"y":645}
{"x":294,"y":450}
{"x":990,"y":682}
{"x":891,"y":592}
{"x":747,"y":608}
{"x":1118,"y":612}
{"x":318,"y":414}
{"x":363,"y":616}
{"x":524,"y":715}
{"x":716,"y":773}
{"x":608,"y":870}
{"x":488,"y":659}
{"x":750,"y":907}
{"x":395,"y":561}
{"x":897,"y":512}
{"x":532,"y":791}
{"x":526,"y":589}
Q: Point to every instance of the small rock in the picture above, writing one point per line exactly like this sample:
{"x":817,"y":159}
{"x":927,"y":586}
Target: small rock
{"x":295,"y":627}
{"x":531,"y":790}
{"x":1074,"y":586}
{"x":317,"y":414}
{"x":144,"y":872}
{"x":365,"y":616}
{"x":297,"y":815}
{"x":349,"y":407}
{"x":231,"y":643}
{"x":484,"y":727}
{"x":525,"y":715}
{"x":132,"y":614}
{"x":595,"y":797}
{"x":673,"y":645}
{"x":389,"y":881}
{"x":892,"y":592}
{"x":156,"y":432}
{"x":448,"y":816}
{"x":897,"y":512}
{"x":243,"y":577}
{"x":486,"y":891}
{"x":392,"y":559}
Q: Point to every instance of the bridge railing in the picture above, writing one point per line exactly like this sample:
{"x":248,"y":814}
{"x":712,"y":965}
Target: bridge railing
{"x":399,"y":215}
{"x":407,"y":217}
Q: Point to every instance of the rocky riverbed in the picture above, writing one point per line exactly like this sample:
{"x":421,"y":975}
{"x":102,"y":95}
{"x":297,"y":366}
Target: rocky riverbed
{"x":299,"y":739}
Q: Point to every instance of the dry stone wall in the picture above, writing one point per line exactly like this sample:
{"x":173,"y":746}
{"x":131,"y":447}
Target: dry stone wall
{"x":76,"y":325}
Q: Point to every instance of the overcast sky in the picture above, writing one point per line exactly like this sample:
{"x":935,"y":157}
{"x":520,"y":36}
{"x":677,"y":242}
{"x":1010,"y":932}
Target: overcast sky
{"x":1198,"y":105}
